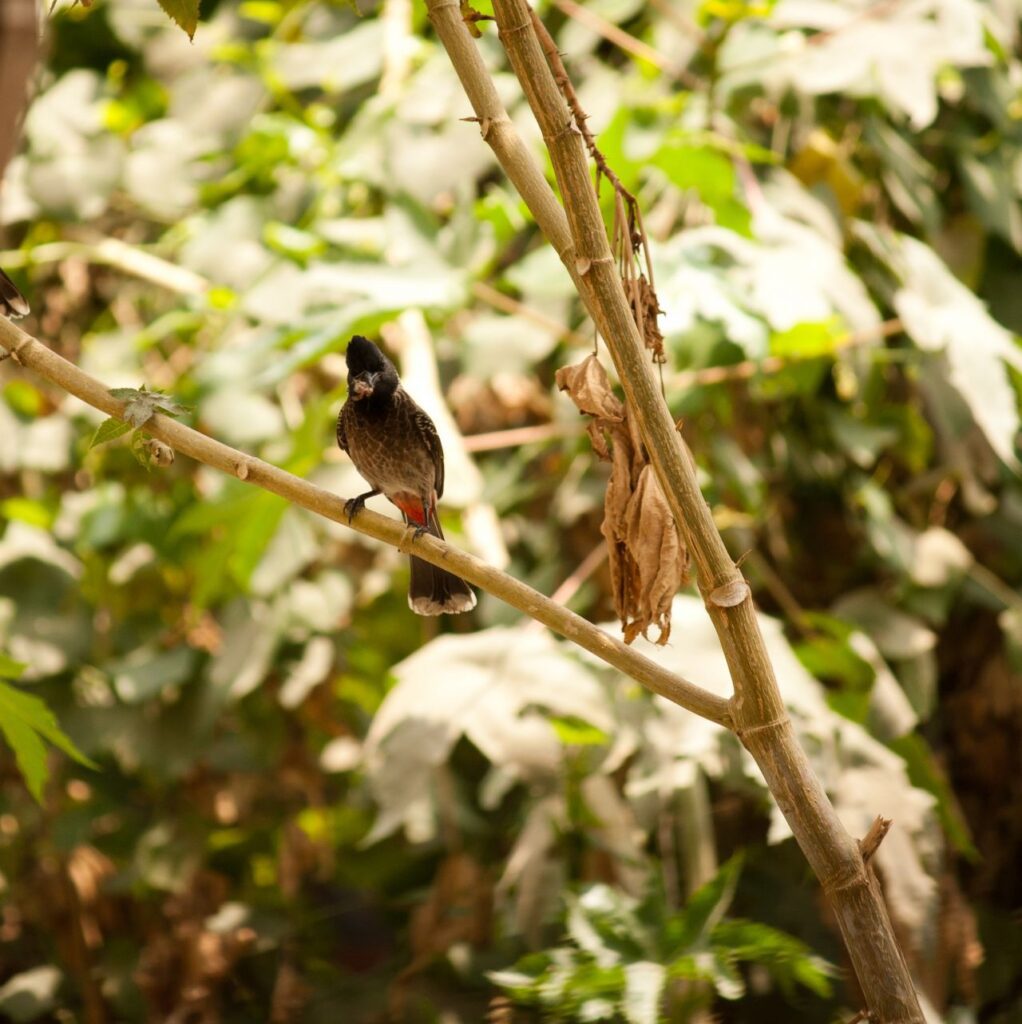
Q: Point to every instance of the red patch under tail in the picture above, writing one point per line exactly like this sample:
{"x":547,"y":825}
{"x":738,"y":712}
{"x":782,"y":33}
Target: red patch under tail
{"x":413,"y":510}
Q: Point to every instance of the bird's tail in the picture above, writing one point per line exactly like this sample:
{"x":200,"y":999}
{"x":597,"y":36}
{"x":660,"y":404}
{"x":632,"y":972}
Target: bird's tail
{"x":435,"y":591}
{"x":12,"y":302}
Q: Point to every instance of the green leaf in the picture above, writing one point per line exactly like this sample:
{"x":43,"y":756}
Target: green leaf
{"x":109,"y":430}
{"x":924,"y":772}
{"x":808,"y":340}
{"x":708,"y":905}
{"x":27,"y":510}
{"x":184,"y":12}
{"x":572,"y":731}
{"x":9,"y":668}
{"x":25,"y":722}
{"x":789,"y":961}
{"x":140,"y":404}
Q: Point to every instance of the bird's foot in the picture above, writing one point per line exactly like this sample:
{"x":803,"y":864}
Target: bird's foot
{"x":353,"y":506}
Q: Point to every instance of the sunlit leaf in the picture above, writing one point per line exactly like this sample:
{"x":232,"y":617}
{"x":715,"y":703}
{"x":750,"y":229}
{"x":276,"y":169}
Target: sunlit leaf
{"x":184,"y":12}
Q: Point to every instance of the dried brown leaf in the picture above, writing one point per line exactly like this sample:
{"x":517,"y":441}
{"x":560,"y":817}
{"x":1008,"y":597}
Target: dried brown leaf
{"x":589,"y":388}
{"x":598,"y":439}
{"x":647,"y":312}
{"x":647,"y":557}
{"x":658,"y":552}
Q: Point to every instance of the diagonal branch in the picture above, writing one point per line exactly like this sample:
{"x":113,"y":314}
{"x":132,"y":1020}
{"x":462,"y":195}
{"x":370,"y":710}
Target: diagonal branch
{"x":761,"y":720}
{"x":36,"y":356}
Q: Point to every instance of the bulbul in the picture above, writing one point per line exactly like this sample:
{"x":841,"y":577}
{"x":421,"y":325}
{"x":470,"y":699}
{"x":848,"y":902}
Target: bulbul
{"x":12,"y":302}
{"x":395,"y":446}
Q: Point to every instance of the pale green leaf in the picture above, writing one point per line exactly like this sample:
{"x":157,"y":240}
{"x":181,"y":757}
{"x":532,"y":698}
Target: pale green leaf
{"x":109,"y":430}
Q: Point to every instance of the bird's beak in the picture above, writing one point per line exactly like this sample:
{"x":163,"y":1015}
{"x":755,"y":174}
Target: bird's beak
{"x":362,"y":386}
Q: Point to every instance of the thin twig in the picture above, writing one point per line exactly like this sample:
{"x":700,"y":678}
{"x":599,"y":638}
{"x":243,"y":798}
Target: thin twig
{"x":620,"y":38}
{"x":749,"y":368}
{"x":498,"y":300}
{"x":870,"y":842}
{"x":629,"y":232}
{"x":685,"y":24}
{"x":113,"y":252}
{"x":34,"y":355}
{"x":517,"y":436}
{"x":779,"y":590}
{"x":570,"y":587}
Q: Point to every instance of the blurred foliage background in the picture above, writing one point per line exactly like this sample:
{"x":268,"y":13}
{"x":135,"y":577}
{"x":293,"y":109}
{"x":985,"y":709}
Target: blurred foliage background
{"x":308,"y":804}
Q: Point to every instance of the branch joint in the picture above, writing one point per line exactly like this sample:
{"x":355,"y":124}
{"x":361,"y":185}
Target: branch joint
{"x":775,"y":723}
{"x":510,"y":30}
{"x":844,"y":879}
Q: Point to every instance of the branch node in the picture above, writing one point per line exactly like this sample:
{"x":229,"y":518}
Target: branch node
{"x":844,"y":879}
{"x":775,"y":723}
{"x":15,"y":352}
{"x":730,"y":594}
{"x":510,"y":30}
{"x":569,"y":129}
{"x":870,"y":842}
{"x":241,"y":470}
{"x":160,"y":454}
{"x":440,"y":5}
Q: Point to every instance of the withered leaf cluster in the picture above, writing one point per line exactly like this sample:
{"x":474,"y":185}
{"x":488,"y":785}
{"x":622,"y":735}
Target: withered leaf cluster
{"x":646,"y":309}
{"x":648,"y":559}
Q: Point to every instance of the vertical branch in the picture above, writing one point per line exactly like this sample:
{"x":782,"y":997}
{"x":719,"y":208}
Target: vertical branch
{"x":760,"y":716}
{"x":17,"y":60}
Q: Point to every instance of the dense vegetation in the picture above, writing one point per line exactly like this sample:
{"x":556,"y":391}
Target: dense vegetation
{"x":303,"y":798}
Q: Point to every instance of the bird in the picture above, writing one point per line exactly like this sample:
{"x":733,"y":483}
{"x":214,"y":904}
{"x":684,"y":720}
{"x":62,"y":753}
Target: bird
{"x":395,"y":446}
{"x":12,"y":302}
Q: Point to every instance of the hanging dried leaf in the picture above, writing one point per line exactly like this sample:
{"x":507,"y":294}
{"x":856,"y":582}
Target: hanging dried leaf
{"x":646,"y":310}
{"x":589,"y":388}
{"x":648,"y":559}
{"x":659,"y":556}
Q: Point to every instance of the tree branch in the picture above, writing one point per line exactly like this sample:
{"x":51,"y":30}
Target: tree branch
{"x":761,"y":720}
{"x":36,"y":356}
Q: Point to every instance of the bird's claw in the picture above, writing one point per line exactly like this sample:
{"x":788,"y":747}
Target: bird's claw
{"x":353,"y":506}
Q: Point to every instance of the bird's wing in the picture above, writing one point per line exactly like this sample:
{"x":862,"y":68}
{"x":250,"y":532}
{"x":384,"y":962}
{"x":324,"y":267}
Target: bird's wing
{"x":427,"y":431}
{"x":342,"y":437}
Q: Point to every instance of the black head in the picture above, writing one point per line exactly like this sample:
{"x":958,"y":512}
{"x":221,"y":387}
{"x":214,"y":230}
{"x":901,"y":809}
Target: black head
{"x":370,"y":372}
